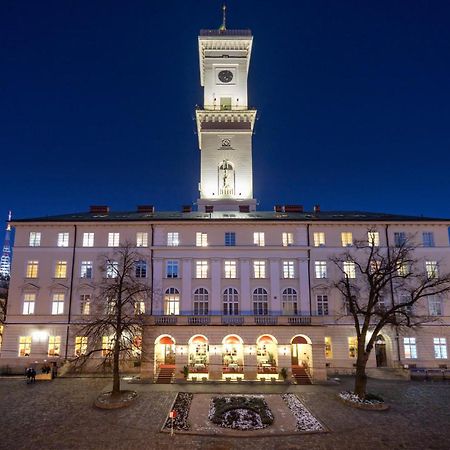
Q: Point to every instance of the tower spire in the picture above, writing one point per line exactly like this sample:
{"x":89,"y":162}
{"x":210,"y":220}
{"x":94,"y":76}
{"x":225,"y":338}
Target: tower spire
{"x":223,"y":27}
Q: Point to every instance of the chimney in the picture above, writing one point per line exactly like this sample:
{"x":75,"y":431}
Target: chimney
{"x":99,"y":209}
{"x":145,"y":209}
{"x":316,"y":209}
{"x":293,"y":208}
{"x":209,"y":209}
{"x":187,"y":208}
{"x":278,"y":208}
{"x":244,"y":208}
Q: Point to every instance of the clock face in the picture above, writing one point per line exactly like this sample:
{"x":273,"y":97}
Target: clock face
{"x":225,"y":76}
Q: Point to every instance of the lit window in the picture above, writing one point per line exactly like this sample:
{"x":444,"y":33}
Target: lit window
{"x":173,"y":239}
{"x":320,"y":269}
{"x":230,"y":269}
{"x":328,"y":348}
{"x":201,"y":269}
{"x":428,"y":239}
{"x":141,"y":239}
{"x":63,"y":240}
{"x":322,"y":304}
{"x":139,"y":307}
{"x":107,"y":345}
{"x":440,"y":348}
{"x":140,"y":269}
{"x":409,"y":345}
{"x":32,"y":269}
{"x":201,"y":239}
{"x":259,"y":269}
{"x":85,"y":304}
{"x":347,"y":239}
{"x":54,"y":345}
{"x":288,"y":269}
{"x":80,"y":345}
{"x":112,"y":269}
{"x":113,"y":239}
{"x":399,"y":238}
{"x":58,"y":304}
{"x":86,"y":269}
{"x":260,"y":302}
{"x":201,"y":300}
{"x":35,"y":239}
{"x":287,"y":239}
{"x":29,"y":301}
{"x":373,"y":238}
{"x":289,"y":302}
{"x":230,"y":238}
{"x":61,"y":269}
{"x":432,"y":269}
{"x":435,"y":305}
{"x":88,"y":239}
{"x":349,"y":269}
{"x":172,"y":302}
{"x":172,"y":269}
{"x":230,"y":302}
{"x":352,"y":347}
{"x":258,"y":238}
{"x":319,"y":239}
{"x":403,"y":269}
{"x":24,"y":345}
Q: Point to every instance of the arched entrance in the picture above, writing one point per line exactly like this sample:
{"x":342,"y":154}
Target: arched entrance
{"x":165,"y":351}
{"x":301,"y":351}
{"x":232,"y":356}
{"x":267,"y":354}
{"x":198,"y":355}
{"x":380,"y":351}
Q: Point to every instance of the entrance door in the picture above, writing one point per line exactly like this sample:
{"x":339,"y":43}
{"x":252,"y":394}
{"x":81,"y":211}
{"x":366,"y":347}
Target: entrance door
{"x":294,"y":354}
{"x":380,"y":351}
{"x":169,"y":354}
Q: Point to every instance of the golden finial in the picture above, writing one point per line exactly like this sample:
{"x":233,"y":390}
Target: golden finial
{"x":223,"y":27}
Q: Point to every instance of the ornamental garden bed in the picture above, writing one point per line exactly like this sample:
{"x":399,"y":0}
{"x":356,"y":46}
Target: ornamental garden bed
{"x":370,"y":402}
{"x":306,"y":422}
{"x":181,"y":406}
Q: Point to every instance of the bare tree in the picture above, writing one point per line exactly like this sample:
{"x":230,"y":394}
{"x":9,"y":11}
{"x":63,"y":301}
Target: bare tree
{"x":380,"y":286}
{"x":114,"y":326}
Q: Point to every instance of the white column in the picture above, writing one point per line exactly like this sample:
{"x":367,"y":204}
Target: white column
{"x":304,"y":285}
{"x":158,"y":295}
{"x":274,"y":305}
{"x":186,"y":286}
{"x":245,"y":274}
{"x":216,"y":277}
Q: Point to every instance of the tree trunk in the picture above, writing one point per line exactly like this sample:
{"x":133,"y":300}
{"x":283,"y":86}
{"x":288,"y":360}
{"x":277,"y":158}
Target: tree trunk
{"x":361,"y":377}
{"x":116,"y":371}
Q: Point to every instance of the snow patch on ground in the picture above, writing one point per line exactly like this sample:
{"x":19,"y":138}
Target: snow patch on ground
{"x":351,"y":397}
{"x":305,"y":420}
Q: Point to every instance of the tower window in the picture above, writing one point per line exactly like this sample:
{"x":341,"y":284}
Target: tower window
{"x":230,"y":238}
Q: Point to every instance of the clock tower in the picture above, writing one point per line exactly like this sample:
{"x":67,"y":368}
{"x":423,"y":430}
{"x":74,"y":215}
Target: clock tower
{"x":225,"y":122}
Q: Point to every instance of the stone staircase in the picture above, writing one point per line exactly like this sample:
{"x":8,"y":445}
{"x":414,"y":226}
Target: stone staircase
{"x":165,"y":375}
{"x":300,"y":375}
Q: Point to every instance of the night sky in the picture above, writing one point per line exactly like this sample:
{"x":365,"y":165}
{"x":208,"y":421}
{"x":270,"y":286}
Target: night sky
{"x":97,"y":103}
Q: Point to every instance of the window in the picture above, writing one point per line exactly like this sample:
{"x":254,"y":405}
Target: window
{"x":63,"y":240}
{"x":349,"y":269}
{"x":201,"y":239}
{"x":88,"y":239}
{"x":35,"y":239}
{"x":61,"y":269}
{"x":409,"y":345}
{"x":113,"y":239}
{"x":373,"y":238}
{"x":328,"y":348}
{"x":172,"y":269}
{"x":54,"y":345}
{"x":230,"y":269}
{"x":347,"y":239}
{"x":201,"y":269}
{"x":432,"y":269}
{"x":440,"y":348}
{"x":110,"y":305}
{"x":140,"y":269}
{"x":289,"y":302}
{"x":288,"y":269}
{"x":258,"y":239}
{"x":322,"y":304}
{"x":320,"y":269}
{"x":141,"y":239}
{"x":86,"y":269}
{"x":112,"y":269}
{"x":201,"y":298}
{"x":287,"y":239}
{"x":319,"y":239}
{"x":24,"y":345}
{"x":399,"y":238}
{"x":405,"y":298}
{"x":32,"y":269}
{"x":28,"y":303}
{"x":139,"y":307}
{"x":58,"y":304}
{"x":230,"y":238}
{"x":403,"y":269}
{"x":435,"y":305}
{"x":260,"y":302}
{"x":173,"y":239}
{"x":230,"y":302}
{"x":172,"y":302}
{"x":80,"y":345}
{"x":107,"y":345}
{"x":428,"y":239}
{"x":85,"y":304}
{"x":352,"y":347}
{"x":259,"y":269}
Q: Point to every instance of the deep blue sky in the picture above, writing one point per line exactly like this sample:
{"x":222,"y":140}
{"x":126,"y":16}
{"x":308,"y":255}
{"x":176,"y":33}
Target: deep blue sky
{"x":97,"y":103}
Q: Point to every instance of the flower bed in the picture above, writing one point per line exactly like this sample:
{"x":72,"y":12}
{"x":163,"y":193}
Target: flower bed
{"x":369,"y":402}
{"x":181,"y":407}
{"x":305,"y":420}
{"x":240,"y":412}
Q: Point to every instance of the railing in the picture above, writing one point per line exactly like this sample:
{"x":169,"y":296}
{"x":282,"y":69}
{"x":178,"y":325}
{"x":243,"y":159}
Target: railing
{"x":225,"y":32}
{"x":166,"y":320}
{"x":232,"y":320}
{"x":299,"y":320}
{"x":266,"y":320}
{"x":199,"y":320}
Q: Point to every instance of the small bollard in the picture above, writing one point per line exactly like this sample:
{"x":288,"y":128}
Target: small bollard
{"x":172,"y":415}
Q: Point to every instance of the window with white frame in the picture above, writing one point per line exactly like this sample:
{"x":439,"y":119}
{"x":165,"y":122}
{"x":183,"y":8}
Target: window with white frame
{"x":320,"y":269}
{"x":58,"y":304}
{"x":259,"y":239}
{"x":399,"y":238}
{"x":54,"y":345}
{"x":86,"y":269}
{"x":81,"y":345}
{"x":24,"y":345}
{"x":111,"y":304}
{"x":428,"y":239}
{"x":139,"y":307}
{"x":230,"y":238}
{"x":112,"y":269}
{"x":347,"y":239}
{"x":260,"y":300}
{"x":328,"y":348}
{"x":289,"y":302}
{"x":201,"y":239}
{"x":173,"y":239}
{"x":61,"y":269}
{"x":35,"y":239}
{"x":107,"y":345}
{"x":288,"y":269}
{"x":32,"y":269}
{"x":88,"y":239}
{"x":410,"y":348}
{"x":287,"y":239}
{"x":113,"y":239}
{"x":349,"y":269}
{"x":230,"y":302}
{"x":201,"y":269}
{"x":322,"y":304}
{"x":140,"y":269}
{"x":319,"y":239}
{"x":172,"y":302}
{"x":29,"y":301}
{"x":172,"y":268}
{"x":259,"y":269}
{"x":432,"y":269}
{"x":440,"y":348}
{"x":230,"y":269}
{"x":373,"y":238}
{"x":201,"y":302}
{"x":63,"y":240}
{"x":405,"y":298}
{"x":352,"y":347}
{"x":85,"y":304}
{"x":141,"y":239}
{"x":435,"y":305}
{"x":403,"y":269}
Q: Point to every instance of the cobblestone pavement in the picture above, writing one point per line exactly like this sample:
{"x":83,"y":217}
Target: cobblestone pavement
{"x":59,"y":415}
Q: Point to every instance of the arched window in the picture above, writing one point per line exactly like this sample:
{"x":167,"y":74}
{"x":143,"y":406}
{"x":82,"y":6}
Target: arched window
{"x":230,"y":302}
{"x":260,"y":302}
{"x":201,"y":297}
{"x":171,"y":301}
{"x":289,"y":301}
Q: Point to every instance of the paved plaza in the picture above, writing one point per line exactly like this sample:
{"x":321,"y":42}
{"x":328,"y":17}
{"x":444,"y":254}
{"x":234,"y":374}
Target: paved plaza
{"x":60,"y":415}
